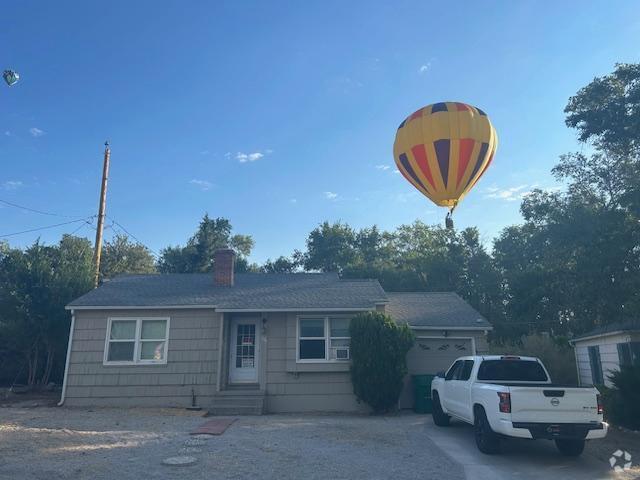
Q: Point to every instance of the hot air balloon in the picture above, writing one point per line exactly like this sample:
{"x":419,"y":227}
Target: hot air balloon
{"x":10,"y":77}
{"x":443,"y":149}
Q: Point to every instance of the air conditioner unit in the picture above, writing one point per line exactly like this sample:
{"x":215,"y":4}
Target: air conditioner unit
{"x":341,"y":353}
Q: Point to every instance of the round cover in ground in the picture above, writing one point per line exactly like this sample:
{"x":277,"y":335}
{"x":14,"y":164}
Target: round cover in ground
{"x":179,"y":461}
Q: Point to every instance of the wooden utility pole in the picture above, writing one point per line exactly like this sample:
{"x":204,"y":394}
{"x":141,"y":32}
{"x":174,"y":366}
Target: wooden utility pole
{"x":102,"y":206}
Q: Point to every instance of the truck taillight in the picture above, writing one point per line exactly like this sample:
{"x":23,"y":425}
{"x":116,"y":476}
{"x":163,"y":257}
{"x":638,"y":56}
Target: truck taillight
{"x":505,"y":402}
{"x":600,"y":404}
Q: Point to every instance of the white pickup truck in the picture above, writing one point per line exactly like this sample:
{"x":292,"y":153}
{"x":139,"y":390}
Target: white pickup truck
{"x":511,"y":396}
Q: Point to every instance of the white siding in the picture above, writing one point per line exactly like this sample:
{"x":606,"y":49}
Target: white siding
{"x":608,"y":356}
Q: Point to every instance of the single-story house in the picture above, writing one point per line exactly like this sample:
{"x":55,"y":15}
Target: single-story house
{"x":246,"y":343}
{"x":602,"y":351}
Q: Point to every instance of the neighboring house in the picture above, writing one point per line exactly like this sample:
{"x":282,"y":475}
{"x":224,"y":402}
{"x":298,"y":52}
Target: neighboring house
{"x":245,"y":343}
{"x":602,"y":351}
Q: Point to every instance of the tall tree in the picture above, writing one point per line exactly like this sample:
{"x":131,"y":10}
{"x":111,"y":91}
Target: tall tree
{"x":35,"y":285}
{"x":197,"y":255}
{"x":120,"y":255}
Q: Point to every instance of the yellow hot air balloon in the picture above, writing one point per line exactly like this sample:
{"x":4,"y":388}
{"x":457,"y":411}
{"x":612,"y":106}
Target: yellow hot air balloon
{"x":443,"y":149}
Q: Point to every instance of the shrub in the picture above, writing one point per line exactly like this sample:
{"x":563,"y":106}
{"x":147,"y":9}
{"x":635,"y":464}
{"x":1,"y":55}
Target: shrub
{"x":556,"y":354}
{"x":379,"y":349}
{"x":622,"y":403}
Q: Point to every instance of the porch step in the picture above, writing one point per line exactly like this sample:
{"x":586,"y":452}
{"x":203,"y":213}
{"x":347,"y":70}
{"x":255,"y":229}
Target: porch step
{"x":238,"y":403}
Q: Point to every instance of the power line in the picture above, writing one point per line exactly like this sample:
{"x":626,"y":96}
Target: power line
{"x":42,"y":228}
{"x":114,"y":222}
{"x":33,"y":210}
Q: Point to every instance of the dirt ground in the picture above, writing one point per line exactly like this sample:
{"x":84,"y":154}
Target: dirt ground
{"x":66,"y":443}
{"x":53,"y":443}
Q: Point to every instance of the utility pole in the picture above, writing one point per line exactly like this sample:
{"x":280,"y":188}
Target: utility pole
{"x":102,"y":206}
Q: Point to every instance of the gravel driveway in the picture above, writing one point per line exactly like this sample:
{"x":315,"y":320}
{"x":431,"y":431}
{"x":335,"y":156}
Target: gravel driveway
{"x":65,"y":443}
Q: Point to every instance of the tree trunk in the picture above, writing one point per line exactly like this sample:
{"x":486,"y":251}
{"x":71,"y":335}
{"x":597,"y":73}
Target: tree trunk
{"x":44,"y":380}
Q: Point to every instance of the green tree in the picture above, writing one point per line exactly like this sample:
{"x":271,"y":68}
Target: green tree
{"x":379,"y":350}
{"x":330,"y":247}
{"x":197,"y":255}
{"x":35,"y":285}
{"x":120,"y":255}
{"x":280,"y":265}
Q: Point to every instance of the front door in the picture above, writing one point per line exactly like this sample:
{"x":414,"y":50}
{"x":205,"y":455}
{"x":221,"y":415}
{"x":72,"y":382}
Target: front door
{"x":244,"y":346}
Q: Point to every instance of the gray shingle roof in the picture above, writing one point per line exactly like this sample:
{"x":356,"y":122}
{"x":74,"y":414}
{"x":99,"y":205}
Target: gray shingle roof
{"x":629,"y":326}
{"x":251,"y":291}
{"x":433,"y":309}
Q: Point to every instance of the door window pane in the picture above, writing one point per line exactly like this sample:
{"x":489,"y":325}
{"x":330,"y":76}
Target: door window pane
{"x":121,"y":351}
{"x":123,"y":330}
{"x":312,"y":349}
{"x":312,"y":327}
{"x":152,"y":350}
{"x":153,"y":329}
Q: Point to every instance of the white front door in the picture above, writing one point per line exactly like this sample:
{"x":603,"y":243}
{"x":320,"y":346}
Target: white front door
{"x":244,"y":350}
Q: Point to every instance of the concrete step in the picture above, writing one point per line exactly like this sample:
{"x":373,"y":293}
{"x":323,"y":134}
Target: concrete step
{"x":237,"y":404}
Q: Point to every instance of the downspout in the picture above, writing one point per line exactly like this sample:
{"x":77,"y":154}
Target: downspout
{"x":66,"y":363}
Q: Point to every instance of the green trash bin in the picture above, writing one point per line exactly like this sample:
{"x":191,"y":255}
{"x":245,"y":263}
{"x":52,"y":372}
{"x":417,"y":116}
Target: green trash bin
{"x":422,"y":393}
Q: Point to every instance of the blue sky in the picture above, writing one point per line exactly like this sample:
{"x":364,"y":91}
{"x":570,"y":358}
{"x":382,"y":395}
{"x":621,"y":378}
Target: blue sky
{"x":280,"y":115}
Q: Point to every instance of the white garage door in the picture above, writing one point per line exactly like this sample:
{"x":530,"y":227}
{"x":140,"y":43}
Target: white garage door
{"x":430,"y":356}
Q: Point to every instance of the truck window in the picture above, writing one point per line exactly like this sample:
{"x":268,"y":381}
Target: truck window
{"x":453,"y":370}
{"x":465,"y":372}
{"x":512,"y":371}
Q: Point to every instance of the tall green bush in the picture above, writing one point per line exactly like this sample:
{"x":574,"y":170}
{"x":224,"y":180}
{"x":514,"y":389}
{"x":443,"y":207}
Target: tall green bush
{"x":622,"y":403}
{"x":379,"y":349}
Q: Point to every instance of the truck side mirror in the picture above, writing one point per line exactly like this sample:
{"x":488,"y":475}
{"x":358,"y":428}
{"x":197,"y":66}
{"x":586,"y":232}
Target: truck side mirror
{"x":440,"y":374}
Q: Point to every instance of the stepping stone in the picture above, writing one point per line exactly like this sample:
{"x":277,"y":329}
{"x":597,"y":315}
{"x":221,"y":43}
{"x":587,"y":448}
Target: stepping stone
{"x":214,"y":427}
{"x":181,"y":461}
{"x":195,"y":442}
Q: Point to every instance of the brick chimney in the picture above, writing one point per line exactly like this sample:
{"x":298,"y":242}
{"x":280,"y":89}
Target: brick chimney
{"x":223,"y":264}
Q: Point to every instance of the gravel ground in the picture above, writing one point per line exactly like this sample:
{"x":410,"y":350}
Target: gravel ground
{"x":65,"y":443}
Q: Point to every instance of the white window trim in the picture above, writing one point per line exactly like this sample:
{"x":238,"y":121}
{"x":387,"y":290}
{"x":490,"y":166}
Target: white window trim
{"x":327,"y":339}
{"x":137,"y":342}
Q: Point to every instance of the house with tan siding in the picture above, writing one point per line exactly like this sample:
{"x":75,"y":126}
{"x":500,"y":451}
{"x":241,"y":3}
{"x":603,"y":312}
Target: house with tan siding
{"x":246,"y":343}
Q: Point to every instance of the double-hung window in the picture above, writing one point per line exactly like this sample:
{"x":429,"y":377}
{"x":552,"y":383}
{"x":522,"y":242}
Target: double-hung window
{"x":136,"y":341}
{"x":323,"y":338}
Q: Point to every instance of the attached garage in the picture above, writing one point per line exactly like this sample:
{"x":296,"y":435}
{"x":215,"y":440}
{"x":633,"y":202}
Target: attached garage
{"x":446,"y":328}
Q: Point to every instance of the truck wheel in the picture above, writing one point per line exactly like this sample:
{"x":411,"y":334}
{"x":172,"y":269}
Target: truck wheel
{"x":570,"y":447}
{"x":486,"y":439}
{"x":440,"y":418}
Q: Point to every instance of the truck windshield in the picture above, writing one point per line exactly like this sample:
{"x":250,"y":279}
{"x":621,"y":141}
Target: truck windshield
{"x":512,"y":371}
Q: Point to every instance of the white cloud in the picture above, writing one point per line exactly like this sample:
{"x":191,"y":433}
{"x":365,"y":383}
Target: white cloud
{"x":293,"y":200}
{"x":396,"y":171}
{"x":203,"y":185}
{"x":7,"y":133}
{"x":424,"y":68}
{"x":383,"y":167}
{"x":248,"y":157}
{"x":510,"y":194}
{"x":205,"y":152}
{"x":330,"y":195}
{"x":36,"y":132}
{"x":516,"y":193}
{"x":12,"y":185}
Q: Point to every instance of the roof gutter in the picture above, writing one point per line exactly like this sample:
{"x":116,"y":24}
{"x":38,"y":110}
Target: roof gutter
{"x":134,"y":307}
{"x":66,"y":363}
{"x":444,"y":327}
{"x":599,"y":335}
{"x":225,"y":310}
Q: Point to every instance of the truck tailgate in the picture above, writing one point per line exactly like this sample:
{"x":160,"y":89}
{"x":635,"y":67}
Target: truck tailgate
{"x":553,"y":404}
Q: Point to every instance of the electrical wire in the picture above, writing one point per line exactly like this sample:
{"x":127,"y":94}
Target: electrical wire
{"x":33,"y":210}
{"x":42,"y":228}
{"x":115,"y":223}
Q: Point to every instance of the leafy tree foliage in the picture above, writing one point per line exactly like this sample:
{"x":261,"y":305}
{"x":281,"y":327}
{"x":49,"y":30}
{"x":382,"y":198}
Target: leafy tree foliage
{"x":379,"y":350}
{"x":120,"y":255}
{"x":197,"y":255}
{"x":35,"y":285}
